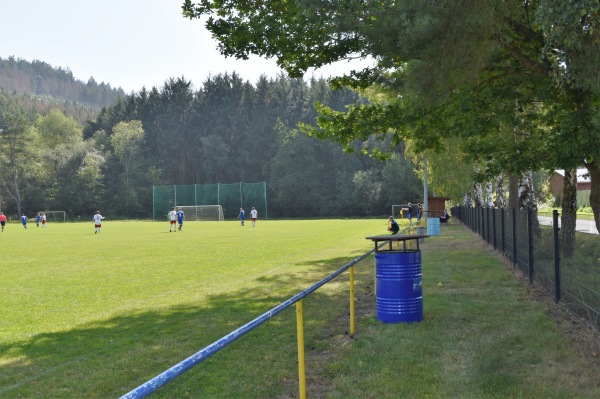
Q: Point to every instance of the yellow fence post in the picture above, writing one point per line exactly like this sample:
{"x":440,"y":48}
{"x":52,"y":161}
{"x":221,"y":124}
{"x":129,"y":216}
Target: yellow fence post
{"x":352,"y":302}
{"x":301,"y":366}
{"x":374,"y":276}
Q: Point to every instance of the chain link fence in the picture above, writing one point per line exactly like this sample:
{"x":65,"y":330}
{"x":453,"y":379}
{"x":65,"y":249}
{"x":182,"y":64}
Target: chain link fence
{"x":569,"y":272}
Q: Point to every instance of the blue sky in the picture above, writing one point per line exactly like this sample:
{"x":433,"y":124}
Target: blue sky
{"x":127,"y":43}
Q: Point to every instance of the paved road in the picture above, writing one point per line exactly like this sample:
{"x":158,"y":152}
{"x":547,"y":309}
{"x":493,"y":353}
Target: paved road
{"x":583,"y":226}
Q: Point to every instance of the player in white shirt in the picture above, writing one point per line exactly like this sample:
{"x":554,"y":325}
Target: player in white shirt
{"x":253,"y":216}
{"x":173,"y":220}
{"x":98,"y":222}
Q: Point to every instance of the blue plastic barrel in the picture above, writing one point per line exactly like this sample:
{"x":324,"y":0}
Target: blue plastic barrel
{"x":399,"y":286}
{"x":433,"y":226}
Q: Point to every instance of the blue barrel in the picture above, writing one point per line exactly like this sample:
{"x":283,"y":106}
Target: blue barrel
{"x":399,"y":286}
{"x":433,"y":226}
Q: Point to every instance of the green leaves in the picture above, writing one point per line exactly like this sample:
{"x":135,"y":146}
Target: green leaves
{"x":299,"y":34}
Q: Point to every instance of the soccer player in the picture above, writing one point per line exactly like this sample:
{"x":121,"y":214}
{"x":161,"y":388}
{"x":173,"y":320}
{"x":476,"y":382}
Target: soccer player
{"x":180,"y":217}
{"x":242,"y":216}
{"x":393,"y":225}
{"x":173,"y":220}
{"x":253,"y":216}
{"x":38,"y":219}
{"x":409,"y":208}
{"x":419,"y":212}
{"x":44,"y":220}
{"x":24,"y":221}
{"x":2,"y":220}
{"x":97,"y":222}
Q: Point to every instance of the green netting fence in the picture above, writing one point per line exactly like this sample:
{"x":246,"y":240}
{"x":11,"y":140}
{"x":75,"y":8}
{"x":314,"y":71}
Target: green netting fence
{"x":231,"y":197}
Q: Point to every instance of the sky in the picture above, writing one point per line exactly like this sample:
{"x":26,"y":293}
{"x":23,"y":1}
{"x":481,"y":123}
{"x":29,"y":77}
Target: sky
{"x":127,"y":43}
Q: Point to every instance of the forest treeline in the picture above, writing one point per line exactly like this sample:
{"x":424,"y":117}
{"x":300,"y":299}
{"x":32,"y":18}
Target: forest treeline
{"x":226,"y":131}
{"x":43,"y":87}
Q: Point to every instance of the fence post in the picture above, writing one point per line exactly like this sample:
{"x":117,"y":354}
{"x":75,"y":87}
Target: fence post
{"x":352,"y":302}
{"x":494,"y":226}
{"x":486,"y":224}
{"x":530,"y":244}
{"x":469,"y":216}
{"x":514,"y":228}
{"x":489,"y":225}
{"x":503,"y":234}
{"x":301,"y":364}
{"x":482,"y":230}
{"x":556,"y":257}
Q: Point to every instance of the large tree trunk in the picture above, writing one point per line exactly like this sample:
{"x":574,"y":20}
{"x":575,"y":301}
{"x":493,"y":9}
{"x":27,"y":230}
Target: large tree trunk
{"x":488,"y":194}
{"x":526,"y":195}
{"x":513,"y":192}
{"x":14,"y":194}
{"x":478,"y":195}
{"x":527,"y":200}
{"x":594,"y":170}
{"x":568,"y":218}
{"x":468,"y":200}
{"x":500,"y":192}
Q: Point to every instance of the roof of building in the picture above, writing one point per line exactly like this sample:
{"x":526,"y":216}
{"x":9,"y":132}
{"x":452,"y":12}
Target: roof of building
{"x":583,"y":175}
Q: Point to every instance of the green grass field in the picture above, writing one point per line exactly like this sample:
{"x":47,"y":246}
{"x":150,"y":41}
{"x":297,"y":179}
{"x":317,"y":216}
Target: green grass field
{"x":94,"y":316}
{"x":87,"y":315}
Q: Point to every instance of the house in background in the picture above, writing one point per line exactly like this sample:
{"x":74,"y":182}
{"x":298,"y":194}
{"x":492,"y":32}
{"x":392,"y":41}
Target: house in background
{"x":584,"y":186}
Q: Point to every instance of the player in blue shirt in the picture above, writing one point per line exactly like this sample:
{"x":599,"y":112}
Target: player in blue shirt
{"x":24,"y":221}
{"x":242,"y":216}
{"x":180,"y":217}
{"x":38,"y":219}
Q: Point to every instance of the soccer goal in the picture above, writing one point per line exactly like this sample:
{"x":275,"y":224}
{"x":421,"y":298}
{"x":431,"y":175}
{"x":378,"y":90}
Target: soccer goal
{"x":202,"y":212}
{"x":56,"y":216}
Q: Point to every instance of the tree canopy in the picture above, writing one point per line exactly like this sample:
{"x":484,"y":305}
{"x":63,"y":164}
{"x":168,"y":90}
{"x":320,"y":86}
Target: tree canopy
{"x":514,"y":82}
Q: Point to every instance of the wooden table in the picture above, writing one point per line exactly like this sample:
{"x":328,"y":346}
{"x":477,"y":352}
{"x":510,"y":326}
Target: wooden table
{"x":398,"y":238}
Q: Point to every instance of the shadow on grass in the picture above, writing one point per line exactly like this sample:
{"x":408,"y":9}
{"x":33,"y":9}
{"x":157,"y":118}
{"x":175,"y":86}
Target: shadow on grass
{"x":109,"y":358}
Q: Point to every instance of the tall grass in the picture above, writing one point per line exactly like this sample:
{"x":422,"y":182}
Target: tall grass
{"x":93,"y":316}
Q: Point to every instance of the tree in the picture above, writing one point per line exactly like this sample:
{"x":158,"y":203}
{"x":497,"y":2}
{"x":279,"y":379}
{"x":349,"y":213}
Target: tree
{"x":126,"y":140}
{"x":15,"y":138}
{"x":437,"y":55}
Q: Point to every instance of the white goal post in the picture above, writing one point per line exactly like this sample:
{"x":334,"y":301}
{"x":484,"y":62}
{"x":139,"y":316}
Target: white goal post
{"x":202,"y":212}
{"x":56,"y":216}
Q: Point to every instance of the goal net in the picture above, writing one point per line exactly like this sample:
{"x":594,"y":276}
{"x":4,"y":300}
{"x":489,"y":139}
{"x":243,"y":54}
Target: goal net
{"x":56,"y":216}
{"x":202,"y":212}
{"x":231,"y":197}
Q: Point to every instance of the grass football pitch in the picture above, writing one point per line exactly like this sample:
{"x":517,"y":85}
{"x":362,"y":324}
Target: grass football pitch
{"x":95,"y":315}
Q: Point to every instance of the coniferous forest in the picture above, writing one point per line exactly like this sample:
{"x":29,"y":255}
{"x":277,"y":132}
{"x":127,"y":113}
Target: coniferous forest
{"x":226,"y":131}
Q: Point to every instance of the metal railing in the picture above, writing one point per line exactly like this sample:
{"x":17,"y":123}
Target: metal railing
{"x":162,"y":379}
